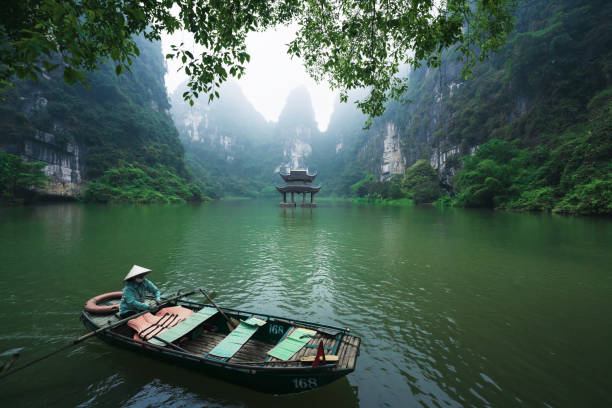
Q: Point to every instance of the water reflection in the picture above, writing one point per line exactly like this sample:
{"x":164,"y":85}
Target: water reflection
{"x":455,"y":307}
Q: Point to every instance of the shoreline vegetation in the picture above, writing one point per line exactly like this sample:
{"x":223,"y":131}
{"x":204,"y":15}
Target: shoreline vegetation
{"x":499,"y":175}
{"x":23,"y":182}
{"x":573,"y":177}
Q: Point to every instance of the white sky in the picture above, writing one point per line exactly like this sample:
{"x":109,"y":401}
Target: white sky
{"x":270,"y":75}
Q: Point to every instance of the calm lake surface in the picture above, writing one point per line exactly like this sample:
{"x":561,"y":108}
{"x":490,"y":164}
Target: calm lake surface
{"x":454,"y":307}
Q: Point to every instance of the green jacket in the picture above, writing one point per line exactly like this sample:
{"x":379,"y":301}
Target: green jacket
{"x":134,"y":296}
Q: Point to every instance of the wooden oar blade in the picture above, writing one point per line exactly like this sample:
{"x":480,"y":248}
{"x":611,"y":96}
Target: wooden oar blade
{"x":231,"y":322}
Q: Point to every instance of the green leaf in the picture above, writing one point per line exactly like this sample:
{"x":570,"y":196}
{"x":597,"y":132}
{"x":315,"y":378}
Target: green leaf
{"x":70,"y":75}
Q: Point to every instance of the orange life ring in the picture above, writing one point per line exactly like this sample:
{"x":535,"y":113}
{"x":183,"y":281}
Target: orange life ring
{"x":93,"y":307}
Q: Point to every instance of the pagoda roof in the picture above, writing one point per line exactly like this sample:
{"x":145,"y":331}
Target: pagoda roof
{"x":298,"y":175}
{"x":298,"y":188}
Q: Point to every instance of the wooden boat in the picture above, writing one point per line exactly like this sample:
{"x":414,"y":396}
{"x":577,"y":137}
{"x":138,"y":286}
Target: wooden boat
{"x":250,"y":365}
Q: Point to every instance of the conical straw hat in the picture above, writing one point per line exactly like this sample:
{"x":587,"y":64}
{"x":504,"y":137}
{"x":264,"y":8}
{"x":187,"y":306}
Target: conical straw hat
{"x":136,"y":271}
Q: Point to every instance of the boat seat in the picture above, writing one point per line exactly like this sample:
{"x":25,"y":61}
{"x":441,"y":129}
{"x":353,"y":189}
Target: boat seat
{"x":145,"y":325}
{"x":181,"y":311}
{"x":292,"y":343}
{"x":236,"y":339}
{"x":185,"y":326}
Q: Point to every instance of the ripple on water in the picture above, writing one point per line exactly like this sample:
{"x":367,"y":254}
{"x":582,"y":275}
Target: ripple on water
{"x":454,"y":308}
{"x":100,"y":389}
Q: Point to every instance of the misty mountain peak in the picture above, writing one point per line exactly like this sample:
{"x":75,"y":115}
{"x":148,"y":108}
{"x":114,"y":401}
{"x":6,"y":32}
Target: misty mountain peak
{"x":298,"y":110}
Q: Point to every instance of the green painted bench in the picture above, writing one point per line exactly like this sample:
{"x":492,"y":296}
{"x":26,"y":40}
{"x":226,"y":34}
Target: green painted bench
{"x":184,"y":327}
{"x":236,"y":339}
{"x":291,"y":344}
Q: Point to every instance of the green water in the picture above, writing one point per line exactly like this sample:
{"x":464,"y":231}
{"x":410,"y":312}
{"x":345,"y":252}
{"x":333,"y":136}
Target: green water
{"x":455,"y":307}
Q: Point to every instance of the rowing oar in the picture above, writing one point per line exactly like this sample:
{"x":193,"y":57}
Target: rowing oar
{"x":92,"y":334}
{"x":231,"y":322}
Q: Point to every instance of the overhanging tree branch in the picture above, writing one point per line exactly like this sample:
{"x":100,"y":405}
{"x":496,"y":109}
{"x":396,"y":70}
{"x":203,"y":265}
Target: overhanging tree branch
{"x":350,"y":43}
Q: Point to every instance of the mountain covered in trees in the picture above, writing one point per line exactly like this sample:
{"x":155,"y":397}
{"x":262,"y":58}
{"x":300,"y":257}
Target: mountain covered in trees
{"x":530,"y":130}
{"x":111,"y":141}
{"x":234,"y":150}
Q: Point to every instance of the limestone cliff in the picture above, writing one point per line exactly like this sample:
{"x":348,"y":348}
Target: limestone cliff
{"x":296,"y":129}
{"x":540,"y":84}
{"x":63,"y":163}
{"x":233,"y":148}
{"x":57,"y":148}
{"x":82,"y":132}
{"x":392,"y":160}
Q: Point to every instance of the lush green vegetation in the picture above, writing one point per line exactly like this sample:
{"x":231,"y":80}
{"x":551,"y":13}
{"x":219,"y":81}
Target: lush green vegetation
{"x":232,"y":150}
{"x":141,"y":184}
{"x":129,"y":147}
{"x":390,"y":202}
{"x":363,"y":49}
{"x":19,"y":179}
{"x":422,"y":182}
{"x":571,"y":175}
{"x":419,"y":185}
{"x":538,"y":114}
{"x":368,"y":187}
{"x":557,"y":154}
{"x":530,"y":130}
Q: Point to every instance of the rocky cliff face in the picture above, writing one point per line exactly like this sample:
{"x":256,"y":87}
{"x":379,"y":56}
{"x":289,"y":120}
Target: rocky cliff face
{"x":297,"y":149}
{"x":63,"y":163}
{"x":55,"y":147}
{"x":539,"y":84}
{"x":225,"y":126}
{"x":81,"y":132}
{"x":296,"y":130}
{"x":392,"y":160}
{"x":230,"y":145}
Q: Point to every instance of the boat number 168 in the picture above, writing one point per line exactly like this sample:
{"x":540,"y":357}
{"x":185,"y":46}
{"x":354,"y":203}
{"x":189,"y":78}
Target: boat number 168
{"x":305,"y":383}
{"x":276,"y":329}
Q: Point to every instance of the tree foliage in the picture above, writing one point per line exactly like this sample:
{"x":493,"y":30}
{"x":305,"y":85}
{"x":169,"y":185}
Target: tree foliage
{"x":574,"y":176}
{"x":371,"y":189}
{"x":488,"y":175}
{"x":546,"y":95}
{"x":141,"y":184}
{"x":363,"y":43}
{"x":118,"y":120}
{"x":19,"y":179}
{"x":421,"y":180}
{"x":353,"y":44}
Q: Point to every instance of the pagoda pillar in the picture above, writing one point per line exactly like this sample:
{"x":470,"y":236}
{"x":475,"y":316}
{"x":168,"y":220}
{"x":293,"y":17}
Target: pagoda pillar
{"x":303,"y":198}
{"x":292,"y":197}
{"x":311,"y":197}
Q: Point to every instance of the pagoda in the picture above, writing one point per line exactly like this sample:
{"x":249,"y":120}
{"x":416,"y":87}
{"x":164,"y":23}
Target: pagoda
{"x":298,"y":181}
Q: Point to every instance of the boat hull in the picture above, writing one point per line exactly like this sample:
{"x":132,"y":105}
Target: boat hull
{"x":274,"y":380}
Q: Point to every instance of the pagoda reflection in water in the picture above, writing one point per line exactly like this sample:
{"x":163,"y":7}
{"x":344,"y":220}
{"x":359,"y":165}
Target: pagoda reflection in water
{"x":300,"y":182}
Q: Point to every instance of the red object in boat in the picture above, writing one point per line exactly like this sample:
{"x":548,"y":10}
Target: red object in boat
{"x":93,"y":307}
{"x":320,"y":358}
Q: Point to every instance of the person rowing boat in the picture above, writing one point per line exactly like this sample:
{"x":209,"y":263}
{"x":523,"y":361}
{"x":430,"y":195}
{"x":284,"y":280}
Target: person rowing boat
{"x":136,"y":288}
